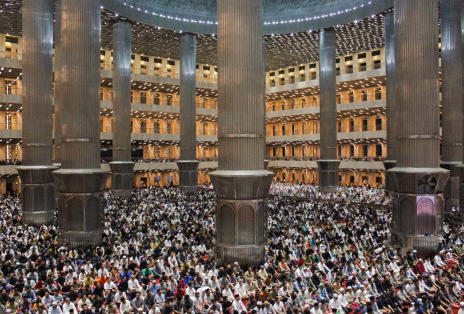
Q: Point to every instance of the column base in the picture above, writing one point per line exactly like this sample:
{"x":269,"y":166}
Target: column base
{"x":418,"y":208}
{"x":425,"y":246}
{"x":188,"y":175}
{"x":39,"y":218}
{"x":122,"y":177}
{"x":37,"y":194}
{"x":328,"y":175}
{"x":77,"y":239}
{"x":80,"y":212}
{"x":452,"y":188}
{"x":250,"y":256}
{"x":241,"y":219}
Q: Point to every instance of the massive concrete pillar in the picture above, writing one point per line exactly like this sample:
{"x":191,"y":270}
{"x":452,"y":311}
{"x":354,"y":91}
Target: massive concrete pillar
{"x":59,"y":81}
{"x":36,"y":172}
{"x":328,"y":163}
{"x":390,"y":162}
{"x":417,"y":180}
{"x":188,"y":163}
{"x":80,"y":181}
{"x":241,"y":182}
{"x":451,"y":66}
{"x":122,"y":167}
{"x":461,"y":166}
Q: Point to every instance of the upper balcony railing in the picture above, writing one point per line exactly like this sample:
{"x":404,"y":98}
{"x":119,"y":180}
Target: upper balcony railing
{"x":280,"y":105}
{"x":10,"y":126}
{"x":11,"y":55}
{"x":160,"y":73}
{"x":10,"y":162}
{"x":295,"y":131}
{"x":152,"y":100}
{"x":10,"y":90}
{"x":137,"y":98}
{"x":160,"y":159}
{"x":296,"y":77}
{"x":294,"y":158}
{"x":207,"y":131}
{"x":288,"y":130}
{"x":151,"y":130}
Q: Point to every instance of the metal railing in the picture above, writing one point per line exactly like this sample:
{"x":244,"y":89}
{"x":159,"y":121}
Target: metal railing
{"x":10,"y":126}
{"x":316,"y":130}
{"x":296,"y":131}
{"x":207,"y":131}
{"x":290,"y":78}
{"x":151,"y":130}
{"x":11,"y":55}
{"x":105,"y":129}
{"x":11,"y":90}
{"x":105,"y":160}
{"x":160,"y":73}
{"x":280,"y":105}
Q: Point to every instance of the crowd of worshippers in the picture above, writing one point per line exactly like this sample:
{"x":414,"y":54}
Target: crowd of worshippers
{"x":364,"y":194}
{"x":157,"y":257}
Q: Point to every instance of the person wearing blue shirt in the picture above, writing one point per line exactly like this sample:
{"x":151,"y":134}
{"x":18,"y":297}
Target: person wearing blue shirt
{"x":153,"y":287}
{"x":323,"y":292}
{"x":126,"y":273}
{"x":298,"y":284}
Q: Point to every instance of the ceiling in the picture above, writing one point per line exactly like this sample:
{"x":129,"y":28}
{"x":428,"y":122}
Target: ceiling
{"x":279,"y":16}
{"x":282,"y":50}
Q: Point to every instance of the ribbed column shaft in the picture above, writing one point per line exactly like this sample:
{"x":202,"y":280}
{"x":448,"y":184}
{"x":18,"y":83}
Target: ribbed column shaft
{"x":328,"y":107}
{"x":462,"y":67}
{"x":460,"y":167}
{"x":391,"y":93}
{"x":122,"y":91}
{"x":80,"y":114}
{"x":241,"y":88}
{"x":241,"y":183}
{"x":451,"y":64}
{"x":188,"y":128}
{"x":416,"y":26}
{"x":37,"y":82}
{"x":59,"y":79}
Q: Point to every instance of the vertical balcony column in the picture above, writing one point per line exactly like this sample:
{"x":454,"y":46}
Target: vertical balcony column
{"x":241,"y":182}
{"x":80,"y":181}
{"x":328,"y":163}
{"x":59,"y":96}
{"x":122,"y":167}
{"x":417,"y":180}
{"x":38,"y":204}
{"x":390,"y":162}
{"x":188,"y":163}
{"x":461,"y":166}
{"x":451,"y":65}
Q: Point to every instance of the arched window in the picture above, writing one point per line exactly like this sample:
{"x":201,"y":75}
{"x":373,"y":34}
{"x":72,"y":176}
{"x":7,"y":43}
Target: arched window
{"x":226,"y":224}
{"x":246,"y":225}
{"x":425,"y":216}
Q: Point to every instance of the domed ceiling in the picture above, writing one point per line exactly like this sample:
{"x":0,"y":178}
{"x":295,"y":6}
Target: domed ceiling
{"x":279,"y":16}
